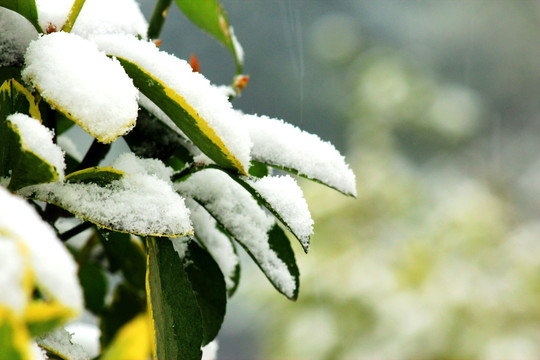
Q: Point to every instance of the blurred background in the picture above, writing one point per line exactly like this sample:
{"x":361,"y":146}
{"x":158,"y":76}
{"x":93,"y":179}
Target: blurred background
{"x":436,"y":106}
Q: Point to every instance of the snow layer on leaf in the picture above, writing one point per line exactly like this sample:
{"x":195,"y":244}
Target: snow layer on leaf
{"x":39,"y":140}
{"x":286,"y":197}
{"x":15,"y":35}
{"x":206,"y":99}
{"x":92,"y":89}
{"x":140,"y":203}
{"x":279,"y":143}
{"x":96,"y":17}
{"x":52,"y":265}
{"x":132,"y":164}
{"x":237,"y":47}
{"x":215,"y":241}
{"x":11,"y":275}
{"x":59,"y":342}
{"x":241,"y":215}
{"x":210,"y":351}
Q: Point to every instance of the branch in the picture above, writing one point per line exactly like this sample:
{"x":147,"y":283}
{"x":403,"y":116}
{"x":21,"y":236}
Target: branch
{"x":158,"y":18}
{"x":73,"y":14}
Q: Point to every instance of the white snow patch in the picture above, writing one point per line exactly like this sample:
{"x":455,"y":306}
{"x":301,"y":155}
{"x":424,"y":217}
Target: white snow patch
{"x":83,"y":82}
{"x":282,"y":144}
{"x":180,"y":245}
{"x":216,"y":242}
{"x":96,"y":17}
{"x":11,"y":275}
{"x":241,"y":215}
{"x":237,"y":47}
{"x":53,"y":266}
{"x":59,"y":341}
{"x":210,"y":351}
{"x":206,"y":99}
{"x":15,"y":35}
{"x":131,"y":164}
{"x":142,"y":202}
{"x":38,"y":139}
{"x":85,"y":335}
{"x":286,"y":197}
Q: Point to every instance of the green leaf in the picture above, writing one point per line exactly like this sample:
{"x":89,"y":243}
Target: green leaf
{"x":42,"y":317}
{"x":258,"y":169}
{"x":14,"y":338}
{"x":210,"y":16}
{"x":26,"y":8}
{"x":151,"y":138}
{"x":280,"y":244}
{"x":94,"y":285}
{"x":183,"y":115}
{"x":125,"y":254}
{"x":174,"y":308}
{"x":10,"y":73}
{"x":14,"y":98}
{"x":209,"y":287}
{"x":101,"y":176}
{"x":126,"y":304}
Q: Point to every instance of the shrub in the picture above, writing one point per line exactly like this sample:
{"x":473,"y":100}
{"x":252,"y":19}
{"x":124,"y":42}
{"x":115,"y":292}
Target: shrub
{"x":165,"y":219}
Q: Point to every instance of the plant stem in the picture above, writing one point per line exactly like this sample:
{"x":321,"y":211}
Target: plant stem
{"x":75,"y":231}
{"x":158,"y":18}
{"x":73,"y":14}
{"x":94,"y":155}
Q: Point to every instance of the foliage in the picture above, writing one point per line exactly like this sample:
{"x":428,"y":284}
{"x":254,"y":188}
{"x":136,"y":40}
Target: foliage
{"x":153,"y":238}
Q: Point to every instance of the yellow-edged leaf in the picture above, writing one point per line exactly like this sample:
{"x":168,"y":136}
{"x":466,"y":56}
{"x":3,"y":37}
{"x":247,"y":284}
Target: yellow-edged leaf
{"x":42,"y":317}
{"x":14,"y":337}
{"x":132,"y":342}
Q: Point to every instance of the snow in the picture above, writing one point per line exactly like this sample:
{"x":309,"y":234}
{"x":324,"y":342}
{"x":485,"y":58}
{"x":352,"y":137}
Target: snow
{"x":216,"y":242}
{"x":86,"y":335}
{"x":286,"y":197}
{"x":59,"y":342}
{"x":53,"y":266}
{"x":69,"y":146}
{"x":210,"y":351}
{"x":237,"y":47}
{"x":278,"y":143}
{"x":92,"y":89}
{"x":180,"y":245}
{"x":142,"y":202}
{"x":38,"y":139}
{"x":96,"y":17}
{"x":207,"y":100}
{"x":15,"y":35}
{"x":242,"y":217}
{"x":12,"y":269}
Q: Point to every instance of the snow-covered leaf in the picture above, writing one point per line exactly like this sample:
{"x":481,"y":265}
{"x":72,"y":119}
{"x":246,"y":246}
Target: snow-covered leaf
{"x":282,"y":196}
{"x":132,"y":342}
{"x":14,"y":338}
{"x":210,"y":16}
{"x":194,"y":105}
{"x":218,"y":243}
{"x":34,"y":158}
{"x":175,"y":312}
{"x":53,"y":268}
{"x":88,"y":87}
{"x":59,"y":343}
{"x":286,"y":147}
{"x":209,"y":288}
{"x":240,"y":214}
{"x":142,"y":202}
{"x":26,"y":8}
